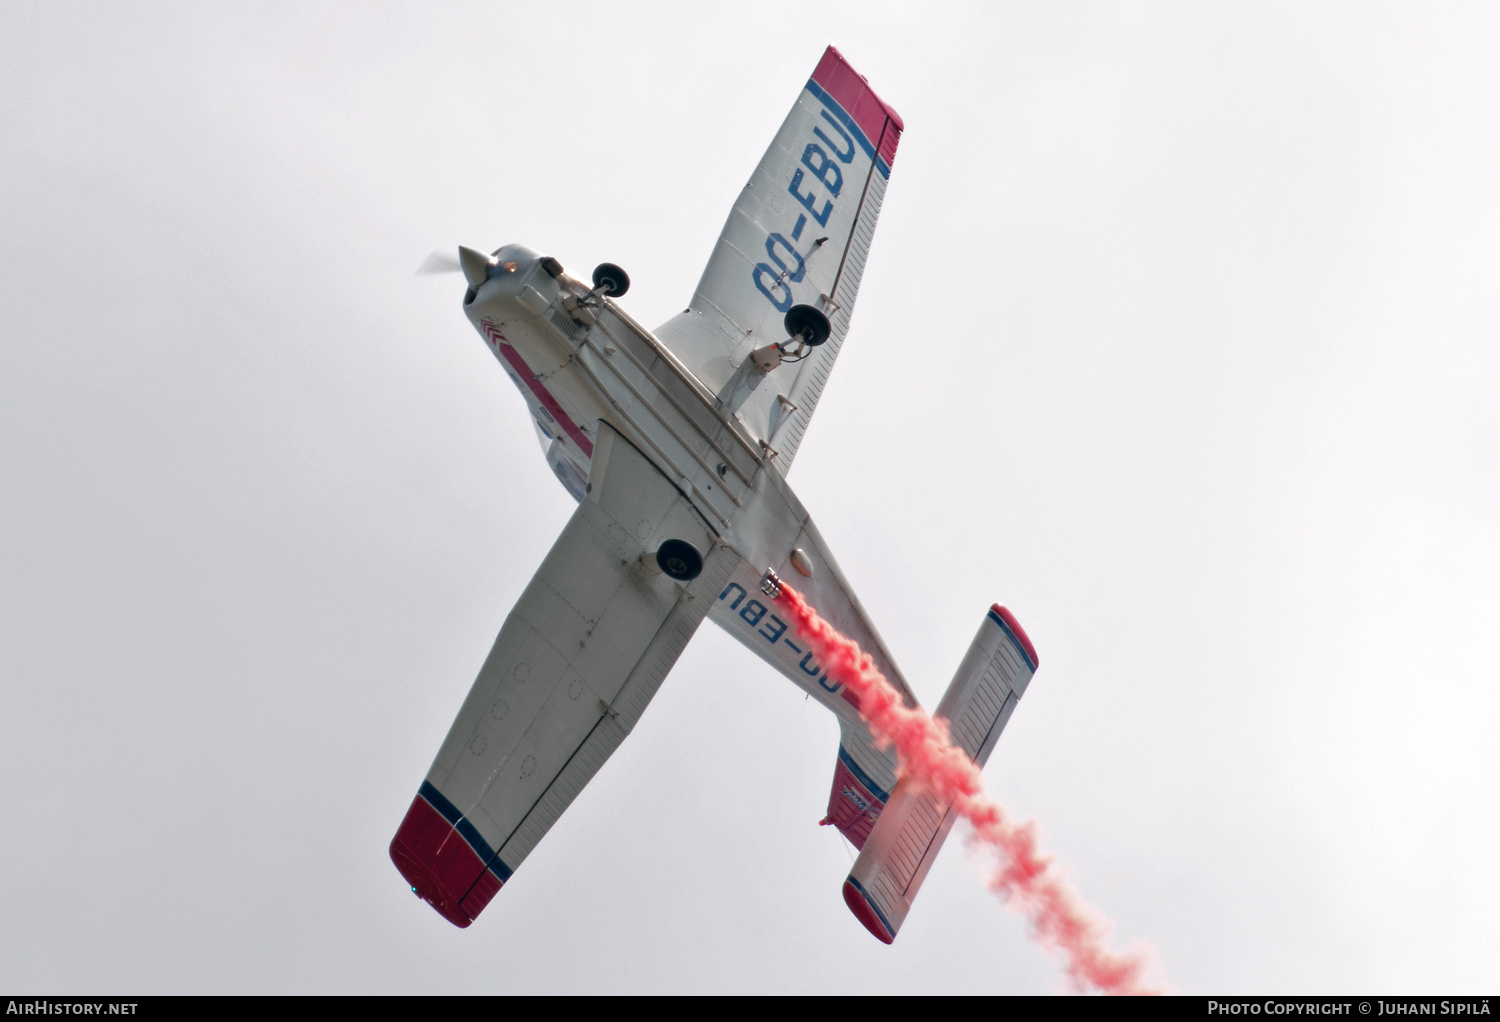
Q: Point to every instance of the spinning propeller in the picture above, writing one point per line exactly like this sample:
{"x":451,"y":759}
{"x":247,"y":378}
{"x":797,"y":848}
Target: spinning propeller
{"x":475,"y":266}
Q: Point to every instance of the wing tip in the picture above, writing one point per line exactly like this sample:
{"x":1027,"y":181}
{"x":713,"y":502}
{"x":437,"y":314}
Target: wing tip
{"x":440,"y":867}
{"x":1008,"y":620}
{"x":425,"y":884}
{"x":832,"y":58}
{"x":865,"y":911}
{"x":851,"y":90}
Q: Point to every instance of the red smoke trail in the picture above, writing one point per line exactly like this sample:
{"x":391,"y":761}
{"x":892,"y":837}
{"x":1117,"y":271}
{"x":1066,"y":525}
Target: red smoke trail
{"x":1025,"y":877}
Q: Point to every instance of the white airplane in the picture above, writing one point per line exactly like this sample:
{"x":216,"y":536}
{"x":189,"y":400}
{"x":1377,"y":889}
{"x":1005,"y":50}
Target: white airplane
{"x":676,"y":443}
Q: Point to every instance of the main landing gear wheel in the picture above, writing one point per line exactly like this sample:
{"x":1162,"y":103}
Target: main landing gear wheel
{"x":808,"y":324}
{"x":612,"y":279}
{"x":679,"y":559}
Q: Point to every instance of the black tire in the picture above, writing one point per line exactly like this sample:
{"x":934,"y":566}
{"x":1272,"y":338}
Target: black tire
{"x":808,"y":323}
{"x":679,"y":559}
{"x":614,"y":280}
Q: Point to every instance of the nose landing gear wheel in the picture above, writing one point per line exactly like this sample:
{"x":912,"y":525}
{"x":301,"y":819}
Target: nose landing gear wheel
{"x":612,"y":279}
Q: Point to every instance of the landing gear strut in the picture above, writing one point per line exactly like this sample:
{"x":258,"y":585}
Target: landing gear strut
{"x":806,"y":328}
{"x":610,"y":279}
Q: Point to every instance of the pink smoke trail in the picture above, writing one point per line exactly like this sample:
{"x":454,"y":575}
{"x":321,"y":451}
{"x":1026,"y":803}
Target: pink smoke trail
{"x":1025,"y":878}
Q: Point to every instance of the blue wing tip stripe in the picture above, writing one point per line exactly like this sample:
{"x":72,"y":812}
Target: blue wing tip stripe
{"x":465,"y":829}
{"x":1020,"y":648}
{"x":438,"y":801}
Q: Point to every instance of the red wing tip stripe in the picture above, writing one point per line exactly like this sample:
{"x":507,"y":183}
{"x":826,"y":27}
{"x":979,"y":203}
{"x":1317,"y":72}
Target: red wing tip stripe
{"x":485,"y":888}
{"x":865,"y":911}
{"x":1006,"y":620}
{"x":427,"y":887}
{"x":850,"y":90}
{"x":838,"y":76}
{"x":437,"y":863}
{"x":444,"y":860}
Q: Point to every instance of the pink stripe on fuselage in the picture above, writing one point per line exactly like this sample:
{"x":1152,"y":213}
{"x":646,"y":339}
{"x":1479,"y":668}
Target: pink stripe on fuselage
{"x":542,"y":394}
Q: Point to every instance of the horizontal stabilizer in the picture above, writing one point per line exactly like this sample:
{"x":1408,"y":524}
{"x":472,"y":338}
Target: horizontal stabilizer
{"x":910,"y":831}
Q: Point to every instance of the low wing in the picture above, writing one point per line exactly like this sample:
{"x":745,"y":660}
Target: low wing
{"x":572,"y":670}
{"x":798,"y":234}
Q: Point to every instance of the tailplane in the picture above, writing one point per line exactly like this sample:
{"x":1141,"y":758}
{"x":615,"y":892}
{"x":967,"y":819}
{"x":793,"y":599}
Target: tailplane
{"x":909,"y":831}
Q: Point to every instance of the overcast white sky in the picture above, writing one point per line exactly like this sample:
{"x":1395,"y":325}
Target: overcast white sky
{"x":1178,"y":337}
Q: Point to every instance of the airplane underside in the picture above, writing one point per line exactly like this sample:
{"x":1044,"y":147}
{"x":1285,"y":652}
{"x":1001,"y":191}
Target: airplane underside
{"x":676,"y":444}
